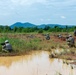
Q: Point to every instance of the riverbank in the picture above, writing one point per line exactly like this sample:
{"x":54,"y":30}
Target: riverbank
{"x":34,"y":64}
{"x":65,"y":54}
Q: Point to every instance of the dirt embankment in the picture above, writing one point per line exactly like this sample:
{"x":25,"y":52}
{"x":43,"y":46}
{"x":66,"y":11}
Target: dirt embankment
{"x":63,"y":51}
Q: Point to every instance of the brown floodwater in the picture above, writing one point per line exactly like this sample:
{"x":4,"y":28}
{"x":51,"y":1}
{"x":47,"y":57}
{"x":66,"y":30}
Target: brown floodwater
{"x":35,"y":63}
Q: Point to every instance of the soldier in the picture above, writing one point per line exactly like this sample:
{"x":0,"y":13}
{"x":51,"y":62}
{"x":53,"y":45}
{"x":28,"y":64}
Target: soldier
{"x":71,"y":41}
{"x":47,"y":37}
{"x":7,"y":47}
{"x":59,"y":36}
{"x":74,"y":32}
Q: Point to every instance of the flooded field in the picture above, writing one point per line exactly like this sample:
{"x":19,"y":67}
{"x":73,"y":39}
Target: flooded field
{"x":35,"y":63}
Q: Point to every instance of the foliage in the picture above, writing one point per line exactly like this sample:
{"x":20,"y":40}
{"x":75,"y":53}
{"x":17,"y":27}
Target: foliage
{"x":40,"y":31}
{"x":4,"y":29}
{"x":20,"y":45}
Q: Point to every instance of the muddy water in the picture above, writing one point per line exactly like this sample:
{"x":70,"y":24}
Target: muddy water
{"x":36,"y":63}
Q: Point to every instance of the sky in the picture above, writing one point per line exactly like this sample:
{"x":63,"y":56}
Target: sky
{"x":38,"y":12}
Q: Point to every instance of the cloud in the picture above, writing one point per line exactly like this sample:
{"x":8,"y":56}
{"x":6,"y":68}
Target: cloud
{"x":61,"y":4}
{"x":27,"y":2}
{"x":13,"y":4}
{"x":48,"y":19}
{"x":41,"y":19}
{"x":33,"y":10}
{"x":63,"y":17}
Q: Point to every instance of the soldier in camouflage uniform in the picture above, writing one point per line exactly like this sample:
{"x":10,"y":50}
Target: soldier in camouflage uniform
{"x":47,"y":37}
{"x":71,"y":41}
{"x":7,"y":47}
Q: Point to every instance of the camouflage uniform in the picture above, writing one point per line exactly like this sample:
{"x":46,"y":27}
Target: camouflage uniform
{"x":71,"y":41}
{"x":74,"y":32}
{"x":7,"y":47}
{"x":47,"y":37}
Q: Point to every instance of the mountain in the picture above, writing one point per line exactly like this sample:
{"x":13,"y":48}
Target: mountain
{"x":19,"y":24}
{"x":27,"y":24}
{"x":41,"y":26}
{"x":51,"y":25}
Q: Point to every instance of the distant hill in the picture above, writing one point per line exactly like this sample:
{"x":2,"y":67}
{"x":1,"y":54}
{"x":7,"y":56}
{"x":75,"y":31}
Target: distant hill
{"x":27,"y":24}
{"x":51,"y":25}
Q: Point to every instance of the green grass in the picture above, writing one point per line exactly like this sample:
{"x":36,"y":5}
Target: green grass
{"x":20,"y":45}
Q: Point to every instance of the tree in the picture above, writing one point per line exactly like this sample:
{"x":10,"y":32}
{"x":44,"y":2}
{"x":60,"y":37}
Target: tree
{"x":46,"y":28}
{"x":19,"y":29}
{"x":40,"y":31}
{"x":15,"y":29}
{"x":1,"y":28}
{"x":7,"y":29}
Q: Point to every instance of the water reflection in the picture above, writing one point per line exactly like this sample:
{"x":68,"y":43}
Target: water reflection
{"x":37,"y":63}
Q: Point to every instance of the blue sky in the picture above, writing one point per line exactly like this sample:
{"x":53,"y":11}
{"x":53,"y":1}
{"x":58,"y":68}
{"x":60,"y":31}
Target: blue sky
{"x":38,"y":11}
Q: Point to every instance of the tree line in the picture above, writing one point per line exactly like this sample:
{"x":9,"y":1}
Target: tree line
{"x":4,"y":29}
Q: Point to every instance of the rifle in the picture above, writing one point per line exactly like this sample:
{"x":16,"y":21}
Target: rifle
{"x":2,"y":43}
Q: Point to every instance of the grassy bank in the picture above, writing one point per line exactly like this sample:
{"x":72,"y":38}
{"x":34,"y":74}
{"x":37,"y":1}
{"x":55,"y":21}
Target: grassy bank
{"x":23,"y":43}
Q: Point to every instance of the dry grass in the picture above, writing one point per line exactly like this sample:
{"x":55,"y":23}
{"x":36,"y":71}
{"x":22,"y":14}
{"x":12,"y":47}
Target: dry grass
{"x":23,"y":43}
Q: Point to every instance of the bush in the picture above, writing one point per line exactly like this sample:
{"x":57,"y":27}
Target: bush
{"x":40,"y":31}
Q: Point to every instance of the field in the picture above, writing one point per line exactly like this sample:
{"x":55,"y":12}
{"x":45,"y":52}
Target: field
{"x":23,"y":43}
